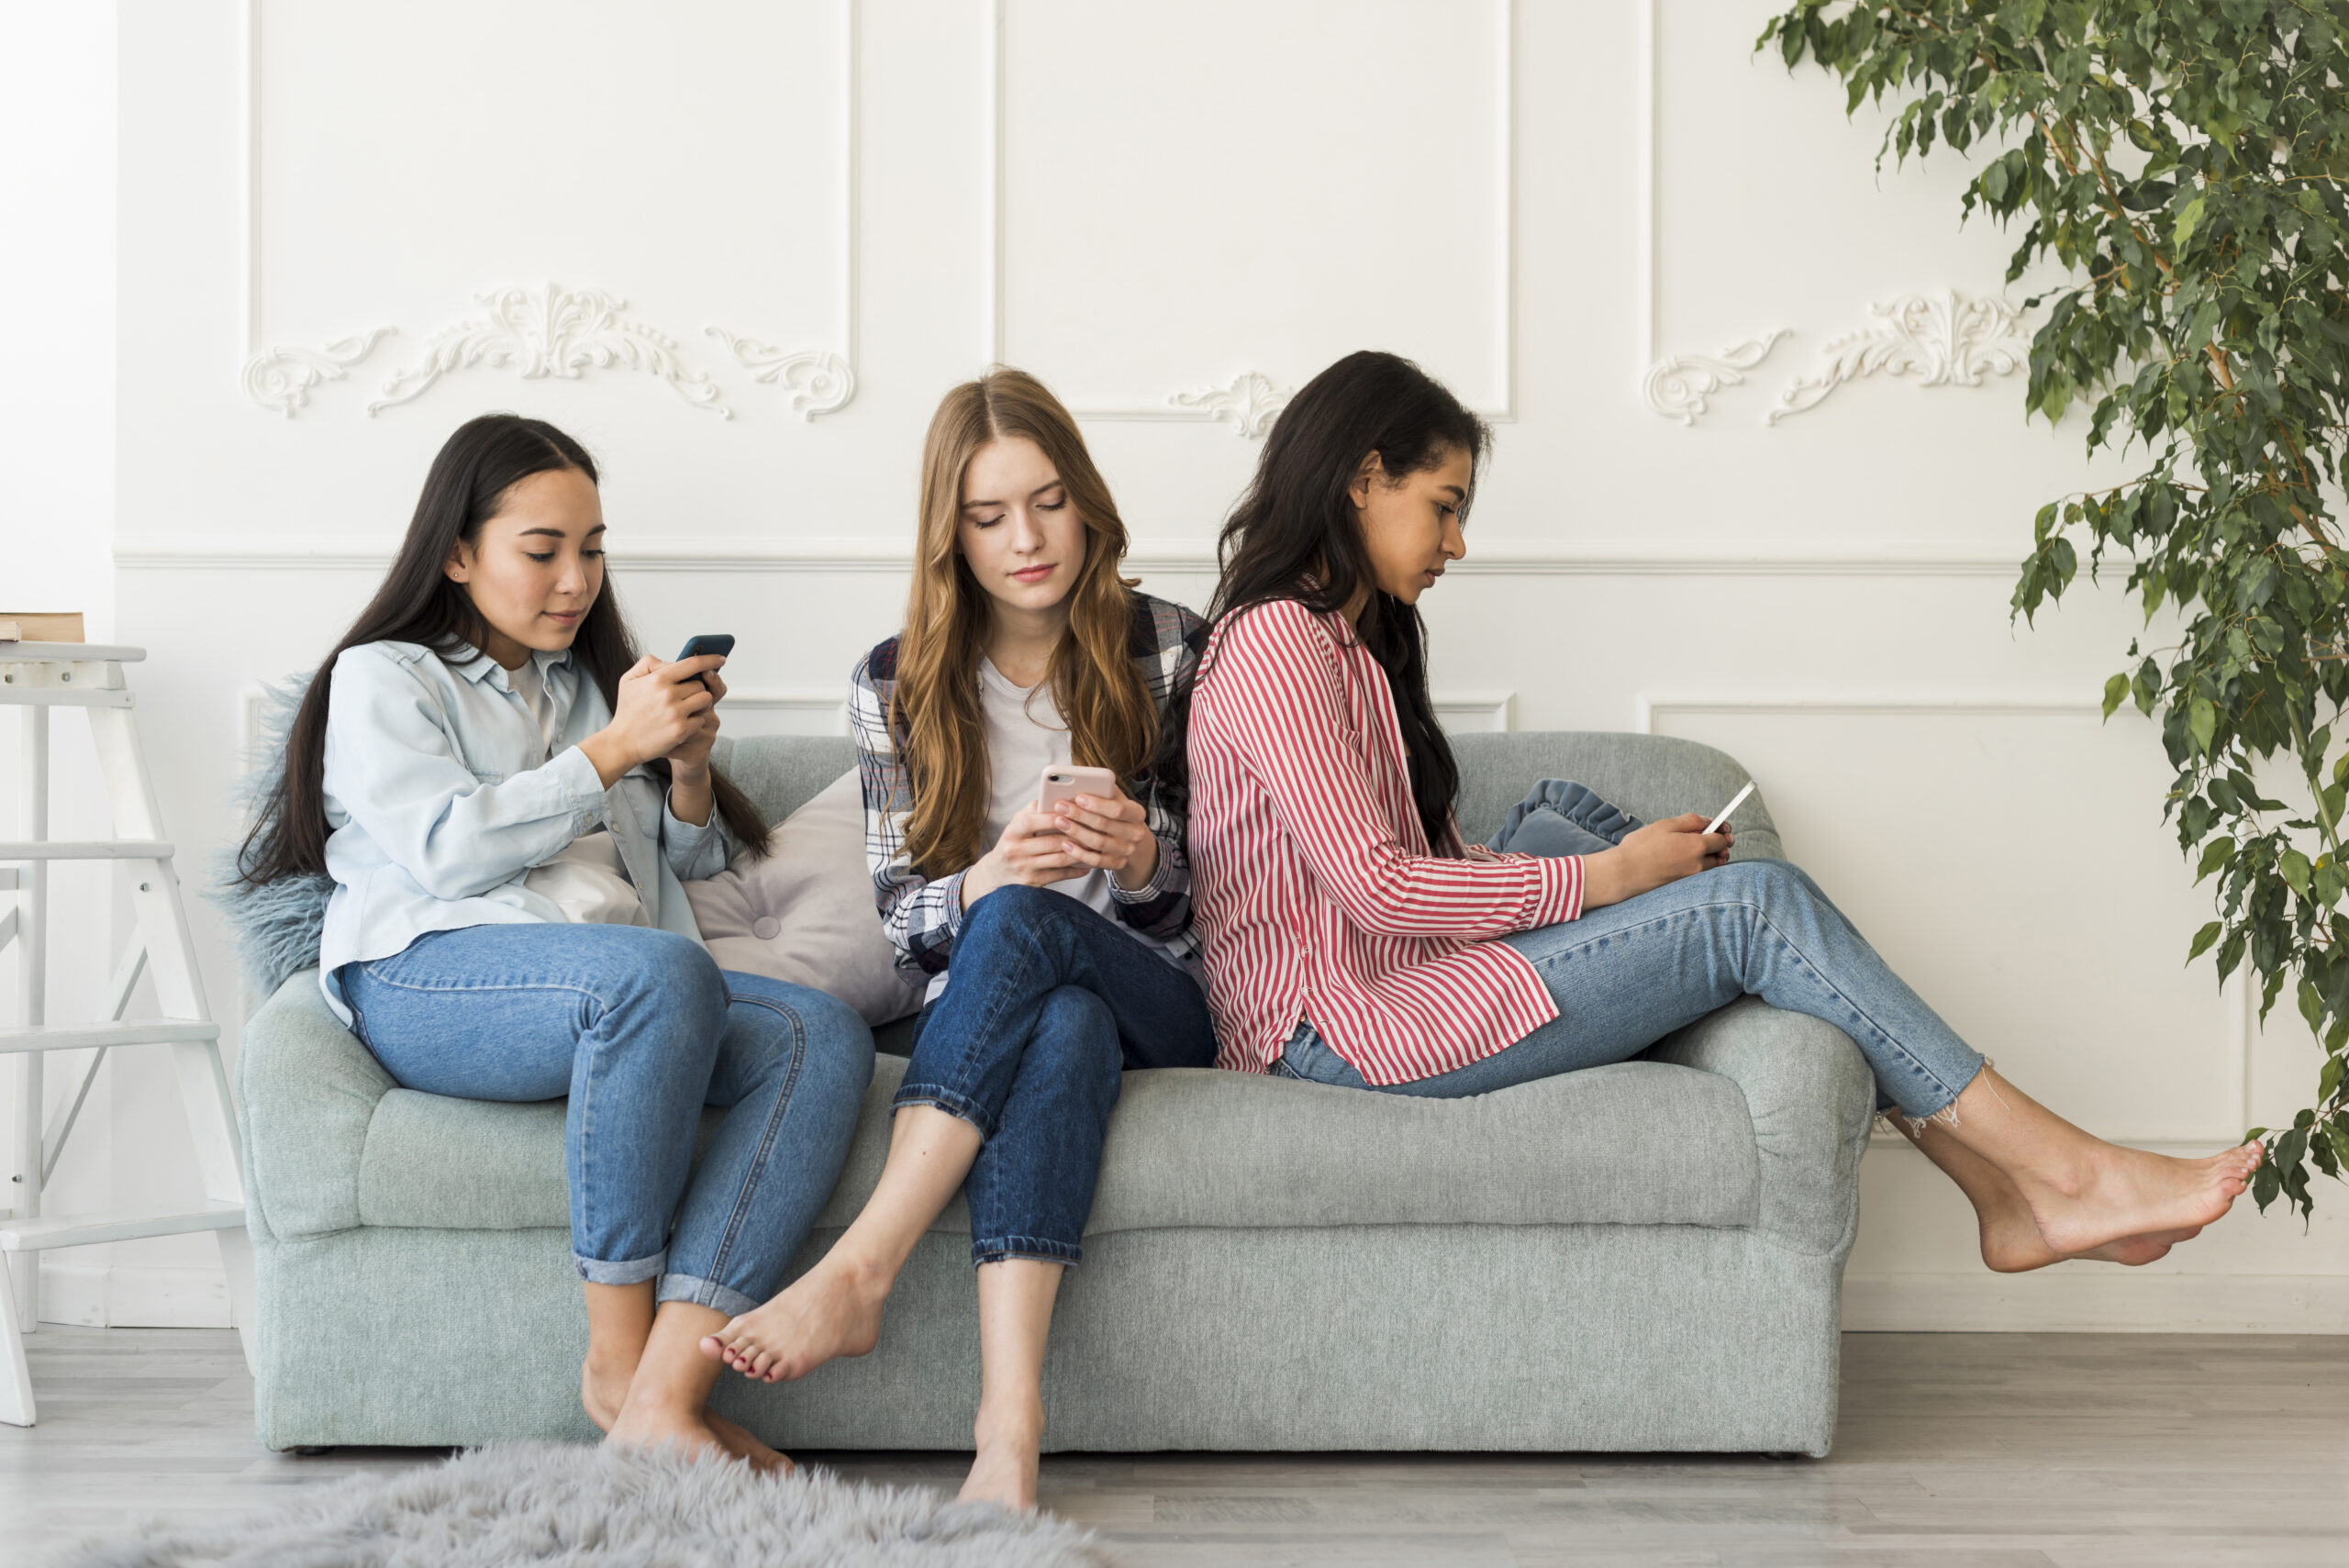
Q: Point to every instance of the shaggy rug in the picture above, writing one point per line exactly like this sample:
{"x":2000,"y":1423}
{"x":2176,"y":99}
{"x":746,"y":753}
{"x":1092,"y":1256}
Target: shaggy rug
{"x":594,"y":1507}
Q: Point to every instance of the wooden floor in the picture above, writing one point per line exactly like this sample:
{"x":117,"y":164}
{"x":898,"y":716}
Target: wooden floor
{"x":1955,"y":1450}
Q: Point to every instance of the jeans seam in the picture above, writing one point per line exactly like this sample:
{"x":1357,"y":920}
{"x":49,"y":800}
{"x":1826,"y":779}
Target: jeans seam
{"x":1761,"y":916}
{"x":375,"y":979}
{"x":767,"y":1135}
{"x":938,"y":1097}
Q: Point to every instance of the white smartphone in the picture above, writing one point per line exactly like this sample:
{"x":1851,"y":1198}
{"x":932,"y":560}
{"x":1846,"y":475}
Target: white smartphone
{"x":1715,"y":825}
{"x":1063,"y":782}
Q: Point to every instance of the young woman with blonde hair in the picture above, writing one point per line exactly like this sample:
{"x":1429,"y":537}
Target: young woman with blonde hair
{"x":1067,"y":929}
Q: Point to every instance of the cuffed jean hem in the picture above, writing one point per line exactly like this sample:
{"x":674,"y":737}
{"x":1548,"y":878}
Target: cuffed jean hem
{"x":703,"y":1293}
{"x":1036,"y":1248}
{"x":947,"y":1100}
{"x":635,"y":1270}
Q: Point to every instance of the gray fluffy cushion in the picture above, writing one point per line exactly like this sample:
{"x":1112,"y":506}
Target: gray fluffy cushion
{"x":275,"y":926}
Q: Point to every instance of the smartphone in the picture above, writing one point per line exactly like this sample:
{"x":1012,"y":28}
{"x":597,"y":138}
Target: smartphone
{"x":1062,"y":782}
{"x":716,"y":642}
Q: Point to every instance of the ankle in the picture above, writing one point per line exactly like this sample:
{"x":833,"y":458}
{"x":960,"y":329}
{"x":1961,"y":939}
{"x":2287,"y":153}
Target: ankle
{"x":1010,"y":1423}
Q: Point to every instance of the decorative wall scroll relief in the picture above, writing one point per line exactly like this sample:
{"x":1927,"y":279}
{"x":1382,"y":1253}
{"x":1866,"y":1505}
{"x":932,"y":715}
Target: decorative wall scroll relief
{"x":820,"y":383}
{"x":281,"y":378}
{"x":1948,"y":341}
{"x":550,"y":331}
{"x":1945,"y":340}
{"x":1252,"y":403}
{"x":1677,"y":385}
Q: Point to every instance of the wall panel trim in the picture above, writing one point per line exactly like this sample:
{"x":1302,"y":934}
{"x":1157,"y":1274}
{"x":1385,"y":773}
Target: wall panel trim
{"x":863,"y":552}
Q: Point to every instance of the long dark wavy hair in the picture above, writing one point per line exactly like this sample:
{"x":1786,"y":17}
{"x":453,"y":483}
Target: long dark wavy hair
{"x":1294,"y":536}
{"x":417,"y":603}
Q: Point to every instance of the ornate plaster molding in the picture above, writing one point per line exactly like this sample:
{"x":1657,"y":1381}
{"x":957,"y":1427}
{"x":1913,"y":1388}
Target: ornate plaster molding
{"x":281,"y":378}
{"x":1944,"y":340}
{"x":1677,"y":386}
{"x":1252,"y":403}
{"x":551,"y":331}
{"x":821,"y":382}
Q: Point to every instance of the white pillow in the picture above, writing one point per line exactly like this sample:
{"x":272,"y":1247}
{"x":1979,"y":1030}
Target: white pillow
{"x":805,"y":914}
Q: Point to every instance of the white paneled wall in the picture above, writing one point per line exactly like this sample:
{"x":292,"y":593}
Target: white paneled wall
{"x":1761,"y":480}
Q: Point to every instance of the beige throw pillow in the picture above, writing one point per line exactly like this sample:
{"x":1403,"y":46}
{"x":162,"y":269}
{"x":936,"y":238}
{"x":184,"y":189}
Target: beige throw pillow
{"x":805,"y":914}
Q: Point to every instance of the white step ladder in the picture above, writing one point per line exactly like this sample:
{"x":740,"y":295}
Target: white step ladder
{"x":36,"y":678}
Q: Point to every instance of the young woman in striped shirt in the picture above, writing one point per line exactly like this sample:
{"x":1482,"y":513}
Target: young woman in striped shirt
{"x":1068,"y":928}
{"x":1353,"y":939}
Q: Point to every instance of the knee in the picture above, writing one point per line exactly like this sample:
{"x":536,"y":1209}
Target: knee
{"x":783,"y":1017}
{"x":1014,"y":905}
{"x":663,"y":969}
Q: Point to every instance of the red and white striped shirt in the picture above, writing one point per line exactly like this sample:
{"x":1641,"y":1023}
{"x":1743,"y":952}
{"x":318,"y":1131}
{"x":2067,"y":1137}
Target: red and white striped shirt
{"x":1314,"y":889}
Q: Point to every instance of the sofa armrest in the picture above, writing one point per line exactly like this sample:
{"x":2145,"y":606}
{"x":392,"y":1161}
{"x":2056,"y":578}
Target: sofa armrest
{"x":1811,"y":1098}
{"x":306,"y":1090}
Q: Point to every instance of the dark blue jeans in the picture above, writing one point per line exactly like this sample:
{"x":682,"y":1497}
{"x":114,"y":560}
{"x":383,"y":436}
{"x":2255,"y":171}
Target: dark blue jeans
{"x":638,"y":1030}
{"x":1049,"y":1003}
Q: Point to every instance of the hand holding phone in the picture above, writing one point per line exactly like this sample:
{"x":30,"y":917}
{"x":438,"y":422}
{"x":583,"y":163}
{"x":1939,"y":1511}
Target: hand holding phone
{"x":1062,"y":782}
{"x":718,"y":643}
{"x":1715,"y":825}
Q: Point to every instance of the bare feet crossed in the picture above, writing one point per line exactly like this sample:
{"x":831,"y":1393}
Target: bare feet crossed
{"x":602,"y":1391}
{"x":832,"y":1310}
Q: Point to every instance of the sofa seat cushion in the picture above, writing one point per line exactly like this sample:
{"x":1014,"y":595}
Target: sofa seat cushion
{"x":1637,"y":1144}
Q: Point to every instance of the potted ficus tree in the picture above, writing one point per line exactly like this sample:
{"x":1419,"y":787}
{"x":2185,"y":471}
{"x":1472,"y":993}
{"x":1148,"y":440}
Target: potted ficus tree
{"x":2183,"y":160}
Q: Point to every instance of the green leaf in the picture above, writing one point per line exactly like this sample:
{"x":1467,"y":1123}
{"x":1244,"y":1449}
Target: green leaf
{"x":2115,"y":691}
{"x":2215,"y":853}
{"x":2202,"y":941}
{"x":2202,"y":719}
{"x":2188,"y":218}
{"x":2294,"y":867}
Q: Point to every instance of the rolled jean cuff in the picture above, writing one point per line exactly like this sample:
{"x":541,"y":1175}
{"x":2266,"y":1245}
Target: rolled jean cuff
{"x":635,"y":1270}
{"x":1036,"y":1248}
{"x":703,"y":1293}
{"x":947,"y":1100}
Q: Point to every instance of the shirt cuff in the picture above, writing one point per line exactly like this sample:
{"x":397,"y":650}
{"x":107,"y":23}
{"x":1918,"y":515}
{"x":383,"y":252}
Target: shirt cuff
{"x":952,"y":888}
{"x":1161,"y":880}
{"x":581,"y":785}
{"x":1556,"y":892}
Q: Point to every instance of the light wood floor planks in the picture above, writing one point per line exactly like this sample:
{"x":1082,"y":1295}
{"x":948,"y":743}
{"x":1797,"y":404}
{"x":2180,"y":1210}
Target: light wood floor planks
{"x":1955,"y":1450}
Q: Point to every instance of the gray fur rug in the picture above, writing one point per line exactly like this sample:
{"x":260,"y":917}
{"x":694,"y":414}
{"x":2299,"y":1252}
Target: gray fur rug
{"x":595,"y":1507}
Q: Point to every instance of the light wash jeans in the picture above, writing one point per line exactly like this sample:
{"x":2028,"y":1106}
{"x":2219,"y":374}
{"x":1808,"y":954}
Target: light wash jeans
{"x":1627,"y":975}
{"x":1051,"y":1002}
{"x":639,"y":1029}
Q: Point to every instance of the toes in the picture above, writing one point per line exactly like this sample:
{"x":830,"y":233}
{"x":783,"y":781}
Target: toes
{"x":713,"y":1347}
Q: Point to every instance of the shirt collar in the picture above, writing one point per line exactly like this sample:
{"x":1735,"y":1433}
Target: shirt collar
{"x":475,"y":666}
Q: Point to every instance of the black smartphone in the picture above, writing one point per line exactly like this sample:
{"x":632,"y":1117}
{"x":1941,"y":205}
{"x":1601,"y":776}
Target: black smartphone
{"x":716,"y":642}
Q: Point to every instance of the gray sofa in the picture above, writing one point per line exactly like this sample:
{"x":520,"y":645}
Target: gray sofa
{"x":1644,"y":1256}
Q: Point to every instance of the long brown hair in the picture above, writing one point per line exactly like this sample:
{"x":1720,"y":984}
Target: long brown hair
{"x":935,"y":715}
{"x":417,"y":603}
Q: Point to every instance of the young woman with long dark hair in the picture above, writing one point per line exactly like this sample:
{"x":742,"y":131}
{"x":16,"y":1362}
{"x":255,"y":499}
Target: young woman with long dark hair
{"x":1353,"y":939}
{"x":508,"y":800}
{"x":1067,"y":929}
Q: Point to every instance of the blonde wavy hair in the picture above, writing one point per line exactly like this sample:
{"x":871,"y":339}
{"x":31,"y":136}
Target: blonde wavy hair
{"x":935,"y":712}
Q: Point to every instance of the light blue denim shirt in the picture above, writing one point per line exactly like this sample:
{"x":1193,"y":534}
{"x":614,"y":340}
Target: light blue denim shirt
{"x":440,"y":798}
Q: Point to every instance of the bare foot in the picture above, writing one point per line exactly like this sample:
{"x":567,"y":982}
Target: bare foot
{"x":2127,"y":1193}
{"x":1003,"y":1471}
{"x":739,"y":1442}
{"x":643,"y":1423}
{"x":602,"y":1389}
{"x":829,"y":1311}
{"x":2012,"y":1245}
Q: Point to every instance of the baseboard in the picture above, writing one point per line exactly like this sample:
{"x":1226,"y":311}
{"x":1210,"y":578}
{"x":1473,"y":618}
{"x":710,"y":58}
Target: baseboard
{"x":2090,"y":1298}
{"x":130,"y":1298}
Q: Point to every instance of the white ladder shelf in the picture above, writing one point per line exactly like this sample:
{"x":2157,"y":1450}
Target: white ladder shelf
{"x":36,"y":678}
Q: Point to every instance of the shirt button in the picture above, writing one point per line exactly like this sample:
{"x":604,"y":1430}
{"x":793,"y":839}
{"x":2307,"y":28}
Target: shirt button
{"x":767,"y":927}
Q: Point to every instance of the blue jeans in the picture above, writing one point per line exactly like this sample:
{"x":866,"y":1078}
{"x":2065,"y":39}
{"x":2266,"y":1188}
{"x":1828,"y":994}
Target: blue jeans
{"x":639,"y":1029}
{"x":1049,"y":1002}
{"x":1627,"y":975}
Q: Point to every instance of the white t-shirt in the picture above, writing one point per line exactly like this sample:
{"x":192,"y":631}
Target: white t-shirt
{"x":1026,"y":735}
{"x":588,"y":881}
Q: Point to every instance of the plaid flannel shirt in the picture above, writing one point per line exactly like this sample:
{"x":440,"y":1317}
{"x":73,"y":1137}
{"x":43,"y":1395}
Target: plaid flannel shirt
{"x":922,"y":915}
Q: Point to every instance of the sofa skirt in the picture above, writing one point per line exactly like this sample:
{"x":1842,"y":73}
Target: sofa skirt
{"x":1563,"y":1339}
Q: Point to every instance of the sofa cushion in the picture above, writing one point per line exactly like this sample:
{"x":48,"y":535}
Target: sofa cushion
{"x":1637,"y":1144}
